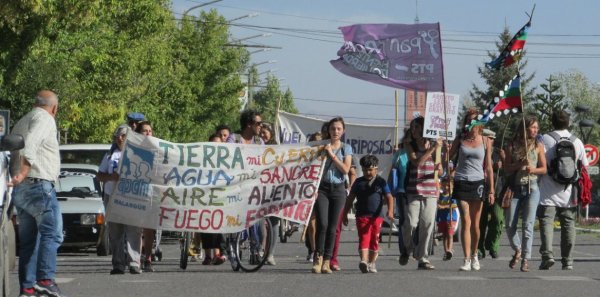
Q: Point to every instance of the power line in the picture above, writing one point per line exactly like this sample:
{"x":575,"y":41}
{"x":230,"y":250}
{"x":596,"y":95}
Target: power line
{"x":325,"y":33}
{"x":340,"y":101}
{"x":348,"y":117}
{"x":450,"y":32}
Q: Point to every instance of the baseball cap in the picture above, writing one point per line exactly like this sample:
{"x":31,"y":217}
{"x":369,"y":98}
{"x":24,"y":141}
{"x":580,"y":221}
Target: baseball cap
{"x":135,"y":116}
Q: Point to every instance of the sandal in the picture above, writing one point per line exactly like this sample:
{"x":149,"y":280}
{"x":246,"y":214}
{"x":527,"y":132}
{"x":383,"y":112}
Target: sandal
{"x":515,"y":260}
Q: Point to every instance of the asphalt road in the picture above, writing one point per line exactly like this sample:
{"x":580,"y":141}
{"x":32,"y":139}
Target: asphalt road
{"x":85,"y":274}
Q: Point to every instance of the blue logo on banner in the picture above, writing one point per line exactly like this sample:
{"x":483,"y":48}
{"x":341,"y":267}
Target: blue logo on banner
{"x":135,"y":171}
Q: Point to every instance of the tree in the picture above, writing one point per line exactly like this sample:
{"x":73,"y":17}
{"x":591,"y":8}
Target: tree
{"x":495,"y":80}
{"x":578,"y":90}
{"x":105,"y":58}
{"x":546,"y":103}
{"x":265,"y":100}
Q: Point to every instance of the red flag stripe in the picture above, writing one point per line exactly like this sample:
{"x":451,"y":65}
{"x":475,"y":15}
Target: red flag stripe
{"x":518,"y":44}
{"x":508,"y":103}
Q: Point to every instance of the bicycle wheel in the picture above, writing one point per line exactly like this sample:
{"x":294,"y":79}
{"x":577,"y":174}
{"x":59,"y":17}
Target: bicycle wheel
{"x":230,"y":241}
{"x":185,"y":246}
{"x":253,"y":245}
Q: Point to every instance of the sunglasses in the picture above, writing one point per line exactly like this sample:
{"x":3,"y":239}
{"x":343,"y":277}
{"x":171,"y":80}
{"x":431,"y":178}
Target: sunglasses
{"x":258,"y":123}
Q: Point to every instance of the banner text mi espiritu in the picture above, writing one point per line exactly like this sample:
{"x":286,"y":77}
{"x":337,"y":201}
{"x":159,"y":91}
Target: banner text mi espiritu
{"x":213,"y":187}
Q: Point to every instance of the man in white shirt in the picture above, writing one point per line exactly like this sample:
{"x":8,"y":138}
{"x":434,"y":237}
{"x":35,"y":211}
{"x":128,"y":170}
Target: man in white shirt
{"x":38,"y":211}
{"x":556,"y":200}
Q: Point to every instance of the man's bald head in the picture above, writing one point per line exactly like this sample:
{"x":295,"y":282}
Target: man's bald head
{"x":47,"y":100}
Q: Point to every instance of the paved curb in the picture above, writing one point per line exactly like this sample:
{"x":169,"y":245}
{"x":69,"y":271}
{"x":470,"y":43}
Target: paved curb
{"x":587,"y":230}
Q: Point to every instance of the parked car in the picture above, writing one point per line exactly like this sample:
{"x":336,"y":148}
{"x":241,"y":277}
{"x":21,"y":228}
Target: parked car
{"x":80,"y":197}
{"x":7,"y":231}
{"x":83,"y":153}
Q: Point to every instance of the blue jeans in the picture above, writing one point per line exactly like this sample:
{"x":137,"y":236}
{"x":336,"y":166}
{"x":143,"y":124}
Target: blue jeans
{"x":40,"y":230}
{"x":525,"y":204}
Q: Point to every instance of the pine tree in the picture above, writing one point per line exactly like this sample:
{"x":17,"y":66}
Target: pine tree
{"x":546,"y":103}
{"x":495,"y":80}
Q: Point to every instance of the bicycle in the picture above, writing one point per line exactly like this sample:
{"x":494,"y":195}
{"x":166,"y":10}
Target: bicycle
{"x":246,"y":250}
{"x":253,"y":246}
{"x":184,"y":244}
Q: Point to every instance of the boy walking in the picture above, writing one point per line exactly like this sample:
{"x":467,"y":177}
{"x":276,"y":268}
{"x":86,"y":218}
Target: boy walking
{"x":369,"y":191}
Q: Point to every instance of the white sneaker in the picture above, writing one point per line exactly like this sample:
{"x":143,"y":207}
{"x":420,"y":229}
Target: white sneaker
{"x":372,"y":268}
{"x":466,"y":266}
{"x":271,"y":260}
{"x":475,"y":263}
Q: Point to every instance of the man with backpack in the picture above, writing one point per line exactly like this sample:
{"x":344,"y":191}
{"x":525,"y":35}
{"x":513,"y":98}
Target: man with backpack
{"x":558,"y":197}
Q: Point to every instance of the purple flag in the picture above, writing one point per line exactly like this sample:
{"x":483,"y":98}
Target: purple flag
{"x":394,"y":55}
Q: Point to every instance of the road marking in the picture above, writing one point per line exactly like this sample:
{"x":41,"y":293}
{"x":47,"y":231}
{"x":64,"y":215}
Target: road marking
{"x":565,"y":278}
{"x":63,"y":280}
{"x":461,"y":278}
{"x":140,"y":281}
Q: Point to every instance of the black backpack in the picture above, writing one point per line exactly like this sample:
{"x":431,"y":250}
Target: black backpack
{"x":563,"y":168}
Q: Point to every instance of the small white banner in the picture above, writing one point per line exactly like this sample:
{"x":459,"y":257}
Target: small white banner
{"x":435,"y":121}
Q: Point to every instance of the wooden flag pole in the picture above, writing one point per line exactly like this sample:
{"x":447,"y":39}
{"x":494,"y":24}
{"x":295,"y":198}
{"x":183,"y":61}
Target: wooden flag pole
{"x":396,"y":95}
{"x":396,"y":125}
{"x":524,"y":128}
{"x":276,"y":124}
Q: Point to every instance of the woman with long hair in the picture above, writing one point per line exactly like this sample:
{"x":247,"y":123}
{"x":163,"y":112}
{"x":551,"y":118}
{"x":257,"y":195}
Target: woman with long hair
{"x":267,"y":133}
{"x":474,"y":166}
{"x":332,"y":194}
{"x":524,"y":162}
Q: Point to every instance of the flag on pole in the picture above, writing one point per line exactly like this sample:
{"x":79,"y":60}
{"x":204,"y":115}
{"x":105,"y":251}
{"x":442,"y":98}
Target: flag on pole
{"x":395,"y":55}
{"x":513,"y":51}
{"x":508,"y":100}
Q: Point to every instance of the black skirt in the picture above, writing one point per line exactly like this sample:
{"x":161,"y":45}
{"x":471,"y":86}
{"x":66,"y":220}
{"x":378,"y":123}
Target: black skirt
{"x":468,"y":190}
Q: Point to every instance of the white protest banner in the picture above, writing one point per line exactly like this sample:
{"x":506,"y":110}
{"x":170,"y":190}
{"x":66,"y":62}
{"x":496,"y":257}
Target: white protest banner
{"x":364,"y":139}
{"x":213,"y":187}
{"x":434,"y":115}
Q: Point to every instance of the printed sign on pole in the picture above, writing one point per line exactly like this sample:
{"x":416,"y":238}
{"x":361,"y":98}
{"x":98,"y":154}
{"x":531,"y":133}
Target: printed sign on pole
{"x":434,"y":115}
{"x":591,"y":152}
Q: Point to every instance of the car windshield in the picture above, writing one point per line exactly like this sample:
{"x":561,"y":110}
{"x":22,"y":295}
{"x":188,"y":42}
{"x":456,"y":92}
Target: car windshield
{"x":93,"y":157}
{"x":77,"y":184}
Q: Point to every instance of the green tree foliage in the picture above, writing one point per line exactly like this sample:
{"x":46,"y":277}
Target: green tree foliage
{"x":265,"y":100}
{"x":546,"y":103}
{"x":495,"y":80}
{"x":579,"y":90}
{"x":105,"y":58}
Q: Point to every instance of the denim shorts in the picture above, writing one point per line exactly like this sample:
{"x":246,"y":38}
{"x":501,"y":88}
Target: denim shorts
{"x":468,"y":190}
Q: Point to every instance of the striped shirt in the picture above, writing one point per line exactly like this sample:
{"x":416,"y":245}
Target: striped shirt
{"x":38,"y":128}
{"x":421,"y":178}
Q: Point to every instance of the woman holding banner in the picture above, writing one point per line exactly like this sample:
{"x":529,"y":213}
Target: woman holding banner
{"x":332,"y":194}
{"x":474,"y":157}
